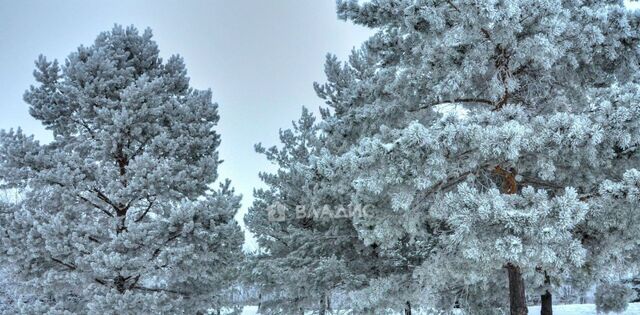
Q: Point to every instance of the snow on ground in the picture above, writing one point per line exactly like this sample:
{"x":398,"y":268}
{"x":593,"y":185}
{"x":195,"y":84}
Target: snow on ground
{"x":583,"y":309}
{"x":250,"y":310}
{"x":569,"y":309}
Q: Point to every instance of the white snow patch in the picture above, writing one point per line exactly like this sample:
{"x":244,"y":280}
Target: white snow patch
{"x":583,"y":309}
{"x":568,"y":309}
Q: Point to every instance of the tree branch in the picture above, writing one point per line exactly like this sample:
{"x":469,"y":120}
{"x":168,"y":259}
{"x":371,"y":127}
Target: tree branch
{"x":529,"y":180}
{"x":70,"y":266}
{"x":453,"y":6}
{"x":172,"y":236}
{"x":86,"y":127}
{"x":486,"y":33}
{"x":457,"y":100}
{"x":106,"y":199}
{"x":145,"y":211}
{"x":159,"y":290}
{"x":95,"y":205}
{"x":93,"y":239}
{"x":140,"y":149}
{"x":445,"y":184}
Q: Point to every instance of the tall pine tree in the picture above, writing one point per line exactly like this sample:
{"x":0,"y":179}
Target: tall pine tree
{"x":512,"y":187}
{"x":303,"y":260}
{"x":117,"y":215}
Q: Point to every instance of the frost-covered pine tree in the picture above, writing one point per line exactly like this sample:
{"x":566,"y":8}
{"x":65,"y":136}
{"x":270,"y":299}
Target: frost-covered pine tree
{"x":311,"y":258}
{"x":517,"y":185}
{"x":390,"y":284}
{"x":7,"y":292}
{"x":6,"y":296}
{"x":117,"y":214}
{"x":303,"y":260}
{"x":9,"y":295}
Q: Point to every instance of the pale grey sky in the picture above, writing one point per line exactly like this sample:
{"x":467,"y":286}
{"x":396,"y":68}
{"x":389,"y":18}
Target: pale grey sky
{"x":260,"y":58}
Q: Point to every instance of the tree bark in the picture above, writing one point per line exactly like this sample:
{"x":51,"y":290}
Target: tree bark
{"x":122,"y":223}
{"x":323,"y":304}
{"x":119,"y":282}
{"x":259,"y":303}
{"x":517,"y":298}
{"x":407,"y":308}
{"x":546,"y":307}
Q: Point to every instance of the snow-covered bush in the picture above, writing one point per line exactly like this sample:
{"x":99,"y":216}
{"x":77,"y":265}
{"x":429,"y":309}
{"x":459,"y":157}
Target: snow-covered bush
{"x":613,"y":297}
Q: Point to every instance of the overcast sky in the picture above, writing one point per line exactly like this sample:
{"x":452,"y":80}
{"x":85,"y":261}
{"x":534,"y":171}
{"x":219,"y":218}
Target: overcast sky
{"x":260,"y":58}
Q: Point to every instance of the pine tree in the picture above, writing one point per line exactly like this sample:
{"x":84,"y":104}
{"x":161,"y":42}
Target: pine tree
{"x":6,"y":298}
{"x":310,"y":251}
{"x":389,"y":283}
{"x":510,"y":185}
{"x":302,"y":259}
{"x":117,"y":214}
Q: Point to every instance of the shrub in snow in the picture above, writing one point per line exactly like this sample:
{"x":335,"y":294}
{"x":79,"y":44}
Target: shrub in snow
{"x":613,"y":297}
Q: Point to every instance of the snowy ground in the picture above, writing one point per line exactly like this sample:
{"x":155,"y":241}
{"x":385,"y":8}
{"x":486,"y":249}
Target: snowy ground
{"x":572,"y":309}
{"x":582,"y":309}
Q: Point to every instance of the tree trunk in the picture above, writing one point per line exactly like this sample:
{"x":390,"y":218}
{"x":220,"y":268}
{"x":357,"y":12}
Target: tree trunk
{"x":517,"y":299}
{"x":121,"y":224}
{"x":407,"y":308}
{"x":259,"y":303}
{"x":323,"y":304}
{"x":322,"y":311}
{"x":546,"y":307}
